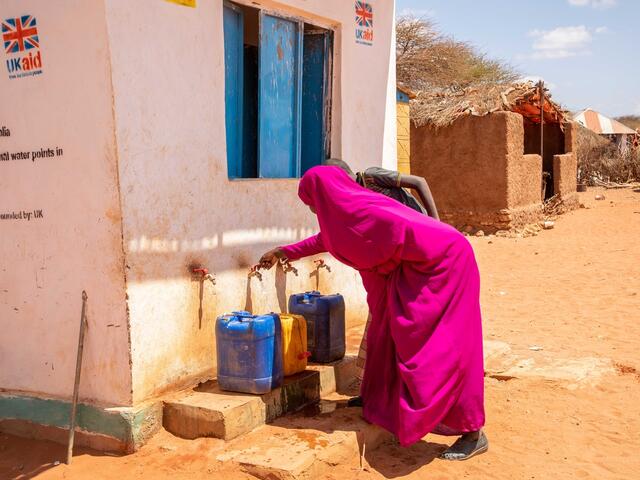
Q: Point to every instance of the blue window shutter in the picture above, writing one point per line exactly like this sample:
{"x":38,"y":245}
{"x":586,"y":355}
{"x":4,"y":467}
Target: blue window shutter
{"x":233,"y":77}
{"x":315,"y":86}
{"x":279,"y":98}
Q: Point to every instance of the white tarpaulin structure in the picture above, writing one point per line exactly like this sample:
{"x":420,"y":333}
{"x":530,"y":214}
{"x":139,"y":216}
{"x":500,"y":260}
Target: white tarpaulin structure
{"x":598,"y":123}
{"x":603,"y":125}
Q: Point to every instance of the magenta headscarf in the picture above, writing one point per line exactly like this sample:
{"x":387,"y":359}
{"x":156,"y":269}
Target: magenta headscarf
{"x":361,"y":228}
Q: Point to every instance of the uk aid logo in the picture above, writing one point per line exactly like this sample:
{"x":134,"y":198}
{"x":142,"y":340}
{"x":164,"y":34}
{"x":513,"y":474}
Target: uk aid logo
{"x":364,"y":23}
{"x":22,"y":46}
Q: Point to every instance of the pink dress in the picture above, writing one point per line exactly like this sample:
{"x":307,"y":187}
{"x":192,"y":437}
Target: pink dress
{"x":424,"y":369}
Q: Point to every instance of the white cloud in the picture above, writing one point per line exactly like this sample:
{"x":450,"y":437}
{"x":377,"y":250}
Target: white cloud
{"x":416,"y":12}
{"x":600,"y":4}
{"x":602,"y":30}
{"x":561,"y":42}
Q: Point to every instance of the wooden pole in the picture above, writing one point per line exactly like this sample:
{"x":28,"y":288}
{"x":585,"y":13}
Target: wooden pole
{"x":542,"y":119}
{"x":544,"y":177}
{"x":76,"y":385}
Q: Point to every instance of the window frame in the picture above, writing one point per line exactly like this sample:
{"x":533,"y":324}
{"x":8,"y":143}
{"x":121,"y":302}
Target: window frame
{"x":297,"y":167}
{"x":328,"y":86}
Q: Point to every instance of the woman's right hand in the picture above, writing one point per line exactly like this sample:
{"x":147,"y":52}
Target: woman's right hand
{"x":269,"y":259}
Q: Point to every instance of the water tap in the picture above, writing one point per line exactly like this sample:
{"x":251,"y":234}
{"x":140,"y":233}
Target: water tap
{"x":205,"y":274}
{"x":321,"y":264}
{"x":287,"y":267}
{"x":255,"y":272}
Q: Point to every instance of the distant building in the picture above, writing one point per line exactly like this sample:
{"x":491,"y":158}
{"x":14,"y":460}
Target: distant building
{"x":623,"y":136}
{"x":403,"y":113}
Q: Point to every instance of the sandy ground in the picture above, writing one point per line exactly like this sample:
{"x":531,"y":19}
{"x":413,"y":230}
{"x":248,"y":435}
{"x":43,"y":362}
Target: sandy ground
{"x":563,"y":309}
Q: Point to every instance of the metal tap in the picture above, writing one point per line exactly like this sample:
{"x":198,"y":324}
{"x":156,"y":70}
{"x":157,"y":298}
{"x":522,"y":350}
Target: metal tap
{"x":255,"y":272}
{"x":321,"y":264}
{"x":287,"y":267}
{"x":205,"y":274}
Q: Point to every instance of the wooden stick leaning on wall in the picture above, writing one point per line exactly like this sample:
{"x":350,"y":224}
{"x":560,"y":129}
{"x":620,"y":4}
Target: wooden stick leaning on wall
{"x":76,"y":386}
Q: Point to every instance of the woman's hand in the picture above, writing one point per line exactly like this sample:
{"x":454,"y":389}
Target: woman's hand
{"x":270,"y":258}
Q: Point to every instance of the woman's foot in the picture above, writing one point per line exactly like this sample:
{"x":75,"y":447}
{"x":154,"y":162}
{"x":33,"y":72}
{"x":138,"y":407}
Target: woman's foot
{"x":354,"y":402}
{"x":467,"y":446}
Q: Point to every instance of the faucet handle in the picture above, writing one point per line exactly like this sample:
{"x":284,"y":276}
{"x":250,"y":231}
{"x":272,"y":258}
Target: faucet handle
{"x":287,"y":267}
{"x":321,"y":264}
{"x":255,"y":272}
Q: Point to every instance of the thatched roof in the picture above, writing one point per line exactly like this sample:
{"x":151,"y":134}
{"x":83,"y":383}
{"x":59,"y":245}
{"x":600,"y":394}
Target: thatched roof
{"x":442,"y":108}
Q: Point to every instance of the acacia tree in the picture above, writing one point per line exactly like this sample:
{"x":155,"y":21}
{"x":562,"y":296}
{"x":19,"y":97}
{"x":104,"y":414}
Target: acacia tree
{"x":427,"y":59}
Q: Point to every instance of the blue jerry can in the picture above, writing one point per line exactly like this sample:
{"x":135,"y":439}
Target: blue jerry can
{"x":325,"y":324}
{"x":249,"y":351}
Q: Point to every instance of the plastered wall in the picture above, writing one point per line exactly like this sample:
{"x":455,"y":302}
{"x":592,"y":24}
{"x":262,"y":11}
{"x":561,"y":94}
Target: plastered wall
{"x":179,"y":208}
{"x":133,"y":96}
{"x":61,"y":231}
{"x":478,"y":173}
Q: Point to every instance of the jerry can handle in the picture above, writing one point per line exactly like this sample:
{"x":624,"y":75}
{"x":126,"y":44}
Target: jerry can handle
{"x":242,"y":314}
{"x":306,"y":296}
{"x":303,"y":355}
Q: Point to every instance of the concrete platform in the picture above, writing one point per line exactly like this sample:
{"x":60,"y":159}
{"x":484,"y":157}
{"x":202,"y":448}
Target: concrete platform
{"x":207,"y":411}
{"x":305,"y":446}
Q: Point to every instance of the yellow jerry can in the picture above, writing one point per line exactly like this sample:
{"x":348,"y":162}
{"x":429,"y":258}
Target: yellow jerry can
{"x":294,"y":343}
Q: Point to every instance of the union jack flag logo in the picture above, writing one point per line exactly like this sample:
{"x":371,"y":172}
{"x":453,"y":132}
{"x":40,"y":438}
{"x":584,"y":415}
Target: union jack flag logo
{"x":364,"y":14}
{"x":20,"y":34}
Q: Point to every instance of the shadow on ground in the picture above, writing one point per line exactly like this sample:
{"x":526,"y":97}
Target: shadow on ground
{"x":392,"y":461}
{"x":386,"y":457}
{"x":19,"y":460}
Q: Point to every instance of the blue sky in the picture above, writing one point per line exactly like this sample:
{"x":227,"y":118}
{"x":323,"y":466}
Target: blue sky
{"x":588,"y":51}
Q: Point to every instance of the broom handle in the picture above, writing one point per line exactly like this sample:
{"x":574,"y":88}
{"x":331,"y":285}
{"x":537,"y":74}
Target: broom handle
{"x":76,"y":386}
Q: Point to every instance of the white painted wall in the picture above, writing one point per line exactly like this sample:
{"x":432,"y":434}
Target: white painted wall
{"x":178,"y":205}
{"x":46,"y":263}
{"x":134,"y":94}
{"x":390,"y":149}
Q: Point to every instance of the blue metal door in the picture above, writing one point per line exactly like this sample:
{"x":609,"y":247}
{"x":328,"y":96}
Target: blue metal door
{"x":315,"y":82}
{"x":233,"y":86}
{"x":279,"y":106}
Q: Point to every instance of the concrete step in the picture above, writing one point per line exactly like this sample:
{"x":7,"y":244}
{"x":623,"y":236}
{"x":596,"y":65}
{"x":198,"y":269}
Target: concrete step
{"x":337,"y":377}
{"x":207,"y":411}
{"x":306,"y":445}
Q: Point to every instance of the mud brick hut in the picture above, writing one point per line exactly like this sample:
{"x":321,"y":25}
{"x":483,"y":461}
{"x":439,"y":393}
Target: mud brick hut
{"x":172,"y":136}
{"x":479,"y":149}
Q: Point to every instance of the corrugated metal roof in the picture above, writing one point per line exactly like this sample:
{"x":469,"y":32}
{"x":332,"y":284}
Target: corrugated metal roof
{"x":598,"y":123}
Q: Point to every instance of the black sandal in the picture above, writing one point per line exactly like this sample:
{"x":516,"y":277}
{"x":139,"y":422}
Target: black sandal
{"x":465,"y":448}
